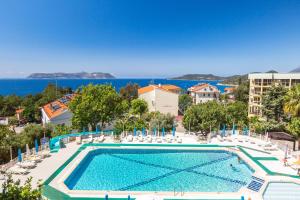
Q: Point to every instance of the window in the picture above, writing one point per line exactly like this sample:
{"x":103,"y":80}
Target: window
{"x":257,"y":81}
{"x":208,"y":95}
{"x":267,"y":82}
{"x":257,"y":91}
{"x":285,"y":82}
{"x":295,"y":81}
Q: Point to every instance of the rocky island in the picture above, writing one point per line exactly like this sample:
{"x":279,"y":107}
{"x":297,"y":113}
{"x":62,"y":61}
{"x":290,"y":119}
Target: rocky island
{"x":80,"y":75}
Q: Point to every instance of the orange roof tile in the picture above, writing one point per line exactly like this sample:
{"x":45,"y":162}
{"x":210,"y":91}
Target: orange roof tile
{"x":201,"y":86}
{"x":57,"y":107}
{"x":229,"y":89}
{"x":149,"y":88}
{"x":19,"y":110}
{"x":170,"y":87}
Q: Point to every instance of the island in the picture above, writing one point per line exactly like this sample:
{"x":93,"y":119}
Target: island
{"x":80,"y":75}
{"x":224,"y":80}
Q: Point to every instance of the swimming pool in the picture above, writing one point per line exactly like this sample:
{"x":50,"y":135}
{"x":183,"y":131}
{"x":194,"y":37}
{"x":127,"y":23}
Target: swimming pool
{"x":160,"y":170}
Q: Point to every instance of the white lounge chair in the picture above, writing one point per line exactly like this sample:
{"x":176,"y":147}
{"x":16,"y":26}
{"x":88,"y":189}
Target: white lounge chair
{"x":168,"y":138}
{"x":35,"y":158}
{"x":220,"y":138}
{"x":158,"y":140}
{"x":99,"y":139}
{"x":27,"y":164}
{"x":228,"y":139}
{"x":78,"y":140}
{"x":17,"y":170}
{"x":140,"y":139}
{"x":44,"y":153}
{"x":271,"y":148}
{"x":149,"y":139}
{"x":129,"y":138}
{"x":179,"y":140}
{"x":87,"y":140}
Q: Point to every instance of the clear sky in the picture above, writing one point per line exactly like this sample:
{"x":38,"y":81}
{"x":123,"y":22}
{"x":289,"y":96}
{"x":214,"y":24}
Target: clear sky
{"x":148,"y":38}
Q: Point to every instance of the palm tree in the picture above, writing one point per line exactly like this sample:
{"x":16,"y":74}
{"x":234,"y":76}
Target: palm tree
{"x":292,"y":101}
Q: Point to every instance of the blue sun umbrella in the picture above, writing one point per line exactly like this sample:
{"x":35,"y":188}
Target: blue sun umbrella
{"x":128,"y":197}
{"x":106,"y":197}
{"x":154,"y":131}
{"x":134,"y":131}
{"x":97,"y":129}
{"x":233,"y":129}
{"x":19,"y":155}
{"x":36,"y":146}
{"x":143,"y":132}
{"x":173,"y":131}
{"x":223,"y":131}
{"x":163,"y":131}
{"x":245,"y":131}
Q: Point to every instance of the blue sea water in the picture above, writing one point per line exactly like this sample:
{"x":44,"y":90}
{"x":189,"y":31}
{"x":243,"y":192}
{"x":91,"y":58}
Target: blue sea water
{"x":160,"y":170}
{"x":24,"y":87}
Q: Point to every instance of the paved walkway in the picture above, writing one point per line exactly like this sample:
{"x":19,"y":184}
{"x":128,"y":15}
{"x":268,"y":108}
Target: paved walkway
{"x":47,"y":167}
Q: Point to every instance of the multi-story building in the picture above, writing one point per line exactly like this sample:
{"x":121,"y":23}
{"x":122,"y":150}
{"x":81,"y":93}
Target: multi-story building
{"x":259,"y":84}
{"x":204,"y":92}
{"x":162,"y":98}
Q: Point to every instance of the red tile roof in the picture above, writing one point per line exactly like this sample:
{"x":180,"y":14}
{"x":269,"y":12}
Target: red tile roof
{"x":168,"y":88}
{"x":57,"y":107}
{"x":201,"y":86}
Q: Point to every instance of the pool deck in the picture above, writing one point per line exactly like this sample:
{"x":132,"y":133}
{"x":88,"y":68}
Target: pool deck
{"x":267,"y":165}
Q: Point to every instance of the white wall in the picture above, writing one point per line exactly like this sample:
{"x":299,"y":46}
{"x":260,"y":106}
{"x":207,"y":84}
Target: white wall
{"x":166,"y":102}
{"x":64,"y":118}
{"x":162,"y":101}
{"x":149,"y":97}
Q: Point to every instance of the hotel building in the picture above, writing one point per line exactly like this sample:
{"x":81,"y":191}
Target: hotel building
{"x":259,"y":84}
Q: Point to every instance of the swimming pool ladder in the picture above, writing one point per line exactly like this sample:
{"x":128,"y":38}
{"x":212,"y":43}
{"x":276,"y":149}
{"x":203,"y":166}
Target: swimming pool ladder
{"x":181,"y":192}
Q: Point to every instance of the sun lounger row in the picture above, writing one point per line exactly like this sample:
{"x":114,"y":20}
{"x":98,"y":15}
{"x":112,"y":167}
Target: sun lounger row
{"x":150,"y":139}
{"x":90,"y":139}
{"x":29,"y":163}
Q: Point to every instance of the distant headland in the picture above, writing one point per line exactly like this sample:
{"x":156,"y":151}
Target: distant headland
{"x":80,"y":75}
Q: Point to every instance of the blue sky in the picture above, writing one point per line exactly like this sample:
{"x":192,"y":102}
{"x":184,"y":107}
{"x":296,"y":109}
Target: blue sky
{"x":148,"y":38}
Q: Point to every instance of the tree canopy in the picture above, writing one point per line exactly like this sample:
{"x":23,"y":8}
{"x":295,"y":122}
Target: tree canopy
{"x":203,"y":117}
{"x":292,"y":101}
{"x":138,"y":107}
{"x":184,"y":102}
{"x":14,"y":190}
{"x":95,"y":104}
{"x":273,"y":103}
{"x":129,"y":92}
{"x":242,"y":92}
{"x":294,"y":127}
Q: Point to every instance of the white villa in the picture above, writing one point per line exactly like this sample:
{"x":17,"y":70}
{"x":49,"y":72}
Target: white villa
{"x":204,"y":92}
{"x":57,"y":112}
{"x":162,"y":98}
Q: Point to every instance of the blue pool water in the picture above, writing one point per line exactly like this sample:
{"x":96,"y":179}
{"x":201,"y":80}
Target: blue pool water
{"x":160,"y":170}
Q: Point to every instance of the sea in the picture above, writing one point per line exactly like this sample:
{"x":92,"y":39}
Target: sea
{"x":23,"y":87}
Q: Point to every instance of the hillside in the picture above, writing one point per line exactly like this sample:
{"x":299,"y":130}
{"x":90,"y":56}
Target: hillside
{"x":80,"y":75}
{"x":198,"y":77}
{"x":229,"y":80}
{"x":297,"y":70}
